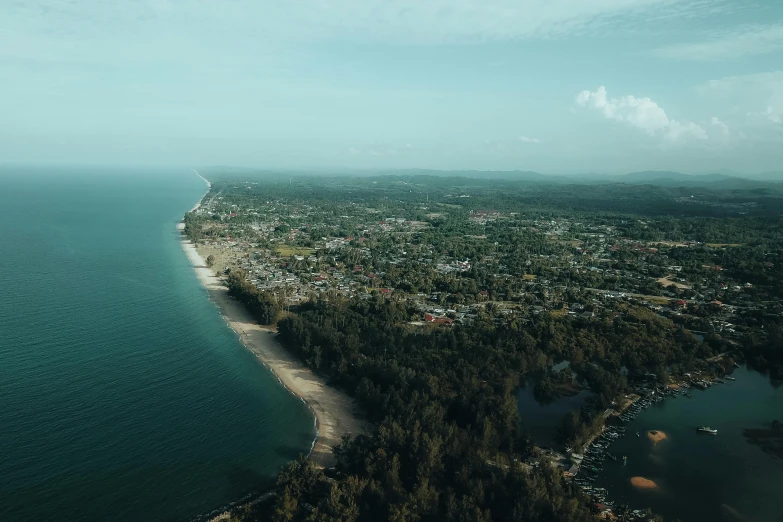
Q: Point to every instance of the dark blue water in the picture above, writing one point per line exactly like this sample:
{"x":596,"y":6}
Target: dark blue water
{"x":703,"y":477}
{"x":123,"y":394}
{"x":541,"y":421}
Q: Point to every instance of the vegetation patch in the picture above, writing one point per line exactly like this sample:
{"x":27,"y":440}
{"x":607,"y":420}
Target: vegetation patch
{"x":289,"y":250}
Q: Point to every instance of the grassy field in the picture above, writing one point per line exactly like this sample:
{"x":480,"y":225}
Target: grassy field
{"x":656,"y":299}
{"x":288,"y":250}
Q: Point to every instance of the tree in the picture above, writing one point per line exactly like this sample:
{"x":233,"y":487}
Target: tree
{"x":287,"y":506}
{"x":210,"y":261}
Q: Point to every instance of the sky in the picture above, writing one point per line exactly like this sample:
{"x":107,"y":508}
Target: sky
{"x":554,"y":86}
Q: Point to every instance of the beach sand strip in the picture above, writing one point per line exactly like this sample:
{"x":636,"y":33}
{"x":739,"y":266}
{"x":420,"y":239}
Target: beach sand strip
{"x":333,"y":409}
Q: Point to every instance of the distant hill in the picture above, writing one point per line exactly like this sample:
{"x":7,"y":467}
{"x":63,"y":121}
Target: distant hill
{"x":672,"y":179}
{"x":775,"y":177}
{"x":773,"y":180}
{"x":513,"y":175}
{"x":657,"y":178}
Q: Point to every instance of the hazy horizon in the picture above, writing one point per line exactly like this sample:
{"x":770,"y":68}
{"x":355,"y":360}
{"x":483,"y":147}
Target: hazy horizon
{"x":606,"y":86}
{"x":206,"y":170}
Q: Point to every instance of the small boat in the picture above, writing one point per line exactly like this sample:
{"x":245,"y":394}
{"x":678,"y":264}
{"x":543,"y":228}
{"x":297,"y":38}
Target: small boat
{"x":707,"y":429}
{"x":637,"y":434}
{"x":730,"y":379}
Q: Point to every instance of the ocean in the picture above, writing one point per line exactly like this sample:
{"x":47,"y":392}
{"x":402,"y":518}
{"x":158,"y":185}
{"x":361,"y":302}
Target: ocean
{"x":123,"y":394}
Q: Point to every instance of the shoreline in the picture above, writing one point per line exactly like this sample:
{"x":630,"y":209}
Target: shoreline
{"x":333,"y":410}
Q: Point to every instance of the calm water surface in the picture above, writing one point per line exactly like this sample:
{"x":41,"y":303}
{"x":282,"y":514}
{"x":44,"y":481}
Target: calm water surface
{"x":541,"y":421}
{"x":703,"y":477}
{"x":123,"y":394}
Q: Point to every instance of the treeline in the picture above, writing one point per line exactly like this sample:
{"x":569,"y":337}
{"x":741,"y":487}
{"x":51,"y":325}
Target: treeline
{"x":553,"y":385}
{"x":448,"y":443}
{"x":262,"y":305}
{"x":385,"y":191}
{"x":766,"y":355}
{"x":448,"y":439}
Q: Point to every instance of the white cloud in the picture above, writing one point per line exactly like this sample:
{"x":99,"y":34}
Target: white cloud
{"x":677,"y":131}
{"x":405,"y":21}
{"x":526,"y":139}
{"x":736,"y":43}
{"x":642,"y":113}
{"x":773,"y":115}
{"x":759,"y":96}
{"x":716,"y":122}
{"x":769,"y":114}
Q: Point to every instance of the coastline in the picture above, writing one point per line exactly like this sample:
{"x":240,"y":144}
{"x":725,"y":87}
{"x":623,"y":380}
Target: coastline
{"x":331,"y":408}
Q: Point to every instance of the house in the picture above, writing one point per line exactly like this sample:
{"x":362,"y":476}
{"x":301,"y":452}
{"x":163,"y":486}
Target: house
{"x":437,"y":320}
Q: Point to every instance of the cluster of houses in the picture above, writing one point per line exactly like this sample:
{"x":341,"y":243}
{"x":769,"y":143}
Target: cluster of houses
{"x":278,"y":248}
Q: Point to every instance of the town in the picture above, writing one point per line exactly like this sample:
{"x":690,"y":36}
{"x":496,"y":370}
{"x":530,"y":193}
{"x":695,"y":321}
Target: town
{"x":519,"y":264}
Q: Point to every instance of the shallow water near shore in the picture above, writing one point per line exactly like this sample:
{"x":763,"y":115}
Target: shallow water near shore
{"x":700,"y":476}
{"x":123,"y":394}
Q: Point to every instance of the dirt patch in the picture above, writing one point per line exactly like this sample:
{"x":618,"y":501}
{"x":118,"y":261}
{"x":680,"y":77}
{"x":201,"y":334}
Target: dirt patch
{"x":665,"y":281}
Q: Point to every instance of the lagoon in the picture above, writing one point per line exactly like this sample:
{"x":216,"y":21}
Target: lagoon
{"x":700,"y":476}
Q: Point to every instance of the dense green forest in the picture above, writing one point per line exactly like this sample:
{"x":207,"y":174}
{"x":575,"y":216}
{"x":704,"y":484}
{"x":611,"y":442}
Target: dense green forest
{"x":448,"y":444}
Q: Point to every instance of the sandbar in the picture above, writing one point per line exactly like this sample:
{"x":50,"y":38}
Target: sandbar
{"x":656,"y":436}
{"x":333,"y":409}
{"x":643,"y":483}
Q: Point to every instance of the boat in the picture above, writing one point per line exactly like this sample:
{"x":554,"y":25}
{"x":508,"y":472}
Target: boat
{"x":707,"y":429}
{"x":637,"y":434}
{"x":730,"y":379}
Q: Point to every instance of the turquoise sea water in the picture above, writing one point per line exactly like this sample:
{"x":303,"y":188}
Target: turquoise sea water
{"x":703,"y":477}
{"x":123,"y":394}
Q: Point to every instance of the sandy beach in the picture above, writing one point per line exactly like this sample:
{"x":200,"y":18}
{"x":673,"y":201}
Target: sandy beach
{"x":333,"y":410}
